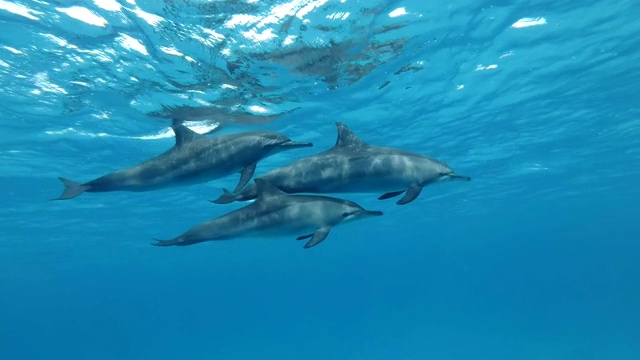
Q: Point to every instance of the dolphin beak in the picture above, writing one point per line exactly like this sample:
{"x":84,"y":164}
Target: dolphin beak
{"x":372,"y":213}
{"x":454,"y":176}
{"x":296,"y":144}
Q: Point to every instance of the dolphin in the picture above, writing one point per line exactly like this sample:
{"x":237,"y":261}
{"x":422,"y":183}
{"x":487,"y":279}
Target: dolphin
{"x":353,"y":166}
{"x":276,"y":213}
{"x":193,"y":159}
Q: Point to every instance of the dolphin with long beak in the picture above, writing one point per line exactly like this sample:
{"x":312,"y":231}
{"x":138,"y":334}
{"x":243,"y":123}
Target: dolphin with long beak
{"x":276,"y":214}
{"x":353,"y":166}
{"x":193,"y":159}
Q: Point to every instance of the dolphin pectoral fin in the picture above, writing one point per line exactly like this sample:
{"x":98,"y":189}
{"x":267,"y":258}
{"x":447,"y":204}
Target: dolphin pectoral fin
{"x":412,"y":193}
{"x":245,"y":176}
{"x":227,"y":197}
{"x":71,"y":189}
{"x":317,"y":237}
{"x":302,"y":237}
{"x":390,"y":195}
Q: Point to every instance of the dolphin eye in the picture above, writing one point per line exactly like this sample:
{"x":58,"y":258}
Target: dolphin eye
{"x":345,"y":214}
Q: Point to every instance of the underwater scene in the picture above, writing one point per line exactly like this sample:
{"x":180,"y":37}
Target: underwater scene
{"x":319,"y":179}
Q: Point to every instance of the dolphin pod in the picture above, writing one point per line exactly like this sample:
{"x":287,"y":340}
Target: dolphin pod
{"x":193,"y":159}
{"x":350,"y":166}
{"x":353,"y":166}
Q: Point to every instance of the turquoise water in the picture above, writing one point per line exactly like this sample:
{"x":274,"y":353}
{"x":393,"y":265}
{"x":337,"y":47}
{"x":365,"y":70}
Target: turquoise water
{"x":536,"y":258}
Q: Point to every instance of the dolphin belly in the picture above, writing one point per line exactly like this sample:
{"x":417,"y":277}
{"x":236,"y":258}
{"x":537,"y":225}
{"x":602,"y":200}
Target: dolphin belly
{"x":236,"y":226}
{"x":161,"y":175}
{"x":278,"y":223}
{"x":369,"y":184}
{"x":357,"y":171}
{"x":278,"y":231}
{"x":333,"y":181}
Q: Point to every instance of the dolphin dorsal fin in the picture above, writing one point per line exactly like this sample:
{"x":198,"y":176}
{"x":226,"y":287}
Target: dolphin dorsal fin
{"x":183,"y":134}
{"x":346,"y":137}
{"x":266,"y":191}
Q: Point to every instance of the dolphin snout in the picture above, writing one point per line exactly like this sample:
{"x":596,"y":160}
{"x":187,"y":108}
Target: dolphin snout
{"x":372,"y":213}
{"x":455,"y":176}
{"x":296,"y":144}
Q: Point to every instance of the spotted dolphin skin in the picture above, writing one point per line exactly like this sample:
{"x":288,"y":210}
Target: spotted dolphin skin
{"x":194,"y":159}
{"x":353,"y":166}
{"x":275,"y":213}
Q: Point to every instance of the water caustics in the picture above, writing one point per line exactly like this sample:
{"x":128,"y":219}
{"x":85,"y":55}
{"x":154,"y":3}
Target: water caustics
{"x":238,"y":62}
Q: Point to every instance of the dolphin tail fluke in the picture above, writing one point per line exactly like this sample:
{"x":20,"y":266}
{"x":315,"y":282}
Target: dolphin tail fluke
{"x":71,"y":189}
{"x":227,"y":197}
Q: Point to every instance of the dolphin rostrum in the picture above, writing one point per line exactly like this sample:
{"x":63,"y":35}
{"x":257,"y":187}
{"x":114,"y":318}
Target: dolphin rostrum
{"x":194,"y":159}
{"x":353,"y":166}
{"x":276,"y":213}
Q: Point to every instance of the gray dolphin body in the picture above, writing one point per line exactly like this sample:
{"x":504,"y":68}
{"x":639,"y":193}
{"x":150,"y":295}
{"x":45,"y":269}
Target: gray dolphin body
{"x":194,"y":159}
{"x":275,"y":213}
{"x":353,"y":166}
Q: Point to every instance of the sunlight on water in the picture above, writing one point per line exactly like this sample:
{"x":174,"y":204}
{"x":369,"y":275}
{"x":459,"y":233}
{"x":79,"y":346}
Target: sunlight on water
{"x":130,"y":43}
{"x":84,"y":14}
{"x":151,"y":19}
{"x":398,"y":12}
{"x":526,"y":22}
{"x":198,"y":127}
{"x":109,"y":5}
{"x":19,"y":9}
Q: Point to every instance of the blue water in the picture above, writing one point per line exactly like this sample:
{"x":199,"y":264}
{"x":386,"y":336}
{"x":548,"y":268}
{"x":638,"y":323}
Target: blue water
{"x":538,"y":257}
